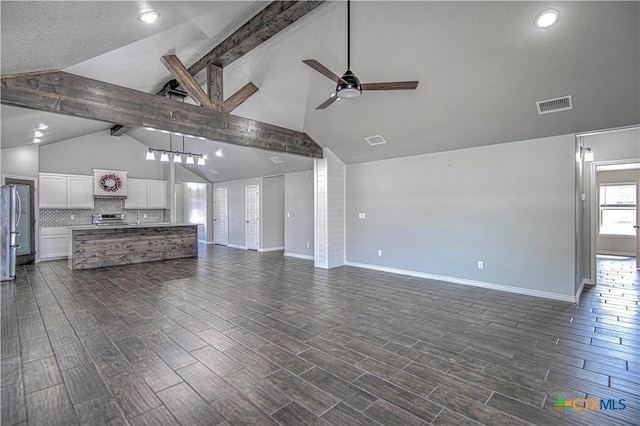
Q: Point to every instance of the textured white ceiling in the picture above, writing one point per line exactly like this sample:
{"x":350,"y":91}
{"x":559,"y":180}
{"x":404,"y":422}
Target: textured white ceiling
{"x":481,"y":66}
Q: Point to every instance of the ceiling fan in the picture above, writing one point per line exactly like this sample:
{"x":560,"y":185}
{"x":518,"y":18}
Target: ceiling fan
{"x":349,"y":86}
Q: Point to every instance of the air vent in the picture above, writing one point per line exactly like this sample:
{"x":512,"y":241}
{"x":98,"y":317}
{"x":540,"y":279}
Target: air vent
{"x":277,"y":160}
{"x":554,"y":105}
{"x":213,"y":171}
{"x":375,"y":140}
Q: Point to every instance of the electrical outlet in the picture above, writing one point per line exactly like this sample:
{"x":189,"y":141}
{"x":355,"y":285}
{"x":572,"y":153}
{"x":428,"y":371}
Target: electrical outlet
{"x":480,"y":264}
{"x":73,"y":217}
{"x":379,"y":252}
{"x":362,"y":215}
{"x":308,"y":245}
{"x":144,"y":216}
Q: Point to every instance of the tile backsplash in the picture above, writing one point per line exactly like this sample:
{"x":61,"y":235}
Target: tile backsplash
{"x":62,"y":217}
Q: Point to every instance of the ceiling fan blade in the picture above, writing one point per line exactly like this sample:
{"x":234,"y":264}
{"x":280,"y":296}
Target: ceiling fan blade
{"x":324,"y":70}
{"x":390,"y":85}
{"x":328,"y":102}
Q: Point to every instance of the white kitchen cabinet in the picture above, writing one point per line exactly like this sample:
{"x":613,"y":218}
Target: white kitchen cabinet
{"x":80,"y":192}
{"x":57,"y":191}
{"x":156,"y":194}
{"x":136,"y":194}
{"x":146,"y":194}
{"x":53,"y":191}
{"x":54,"y":243}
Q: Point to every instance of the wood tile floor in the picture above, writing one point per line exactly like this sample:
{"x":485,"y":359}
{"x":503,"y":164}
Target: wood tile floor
{"x":240,"y":337}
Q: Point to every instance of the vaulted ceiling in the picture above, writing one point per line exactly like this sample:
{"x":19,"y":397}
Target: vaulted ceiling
{"x":481,"y":65}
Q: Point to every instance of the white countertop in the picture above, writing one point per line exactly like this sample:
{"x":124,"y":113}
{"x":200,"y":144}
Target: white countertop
{"x":131,"y":226}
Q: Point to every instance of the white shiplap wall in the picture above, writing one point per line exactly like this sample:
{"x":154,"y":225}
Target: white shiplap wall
{"x":329,"y":211}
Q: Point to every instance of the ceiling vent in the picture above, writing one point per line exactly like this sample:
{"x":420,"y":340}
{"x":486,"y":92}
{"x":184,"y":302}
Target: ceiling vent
{"x":554,"y":105}
{"x":277,"y":160}
{"x":375,"y":140}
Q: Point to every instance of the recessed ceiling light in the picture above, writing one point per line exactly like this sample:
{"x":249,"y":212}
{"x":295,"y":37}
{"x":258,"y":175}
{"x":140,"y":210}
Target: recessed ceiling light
{"x":37,"y":140}
{"x":546,"y":18}
{"x":38,"y":134}
{"x":42,"y":126}
{"x":219,"y":153}
{"x":148,"y":17}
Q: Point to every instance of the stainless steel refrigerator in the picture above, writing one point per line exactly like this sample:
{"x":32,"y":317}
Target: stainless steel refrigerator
{"x":9,"y":220}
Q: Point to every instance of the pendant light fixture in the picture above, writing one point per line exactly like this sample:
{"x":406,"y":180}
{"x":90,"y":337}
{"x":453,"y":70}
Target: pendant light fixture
{"x":177,"y":155}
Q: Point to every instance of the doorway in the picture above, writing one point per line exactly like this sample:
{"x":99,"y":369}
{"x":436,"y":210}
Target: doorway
{"x":252,"y":207}
{"x":614,"y":232}
{"x":25,"y":188}
{"x":221,"y":216}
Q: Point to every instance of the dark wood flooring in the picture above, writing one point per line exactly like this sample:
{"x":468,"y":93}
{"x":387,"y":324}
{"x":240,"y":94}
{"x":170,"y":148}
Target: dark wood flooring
{"x":240,"y":337}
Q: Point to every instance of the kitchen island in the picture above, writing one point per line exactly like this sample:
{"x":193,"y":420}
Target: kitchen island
{"x":100,"y":246}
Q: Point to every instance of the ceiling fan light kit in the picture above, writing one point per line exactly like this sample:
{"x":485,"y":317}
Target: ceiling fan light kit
{"x":349,"y":86}
{"x":350,"y":90}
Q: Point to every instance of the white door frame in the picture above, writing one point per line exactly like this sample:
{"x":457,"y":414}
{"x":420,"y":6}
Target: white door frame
{"x":594,"y":212}
{"x":216,"y":219}
{"x":247,"y":191}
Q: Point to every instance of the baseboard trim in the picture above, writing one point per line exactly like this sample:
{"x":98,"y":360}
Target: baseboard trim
{"x":585,"y":281}
{"x":271,"y":249}
{"x":237,"y":246}
{"x":299,"y":256}
{"x":51,"y":258}
{"x":206,"y":242}
{"x":474,"y":283}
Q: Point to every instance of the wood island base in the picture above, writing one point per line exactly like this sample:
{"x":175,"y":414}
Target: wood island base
{"x":94,"y":247}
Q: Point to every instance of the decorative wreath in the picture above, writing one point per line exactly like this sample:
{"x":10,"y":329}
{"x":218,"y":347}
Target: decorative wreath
{"x":110,"y":182}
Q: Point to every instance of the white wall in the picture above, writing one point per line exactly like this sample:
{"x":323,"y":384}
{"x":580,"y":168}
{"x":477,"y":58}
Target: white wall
{"x":272,"y":198}
{"x":298,"y":206}
{"x":20,"y":161}
{"x":508,"y":205}
{"x":100,"y":151}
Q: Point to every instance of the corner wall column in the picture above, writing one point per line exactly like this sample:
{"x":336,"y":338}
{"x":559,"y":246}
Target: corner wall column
{"x":329,"y":211}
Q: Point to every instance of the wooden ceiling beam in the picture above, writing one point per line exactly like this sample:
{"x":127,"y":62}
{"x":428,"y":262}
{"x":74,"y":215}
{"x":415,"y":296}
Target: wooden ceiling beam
{"x":186,"y":80}
{"x":265,"y":24}
{"x":239,"y":97}
{"x":77,"y":96}
{"x":277,"y":16}
{"x":214,"y":86}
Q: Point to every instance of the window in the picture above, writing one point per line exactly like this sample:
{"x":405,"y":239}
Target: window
{"x":618,"y":209}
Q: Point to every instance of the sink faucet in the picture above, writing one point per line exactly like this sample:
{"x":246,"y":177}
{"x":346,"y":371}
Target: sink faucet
{"x":138,"y":218}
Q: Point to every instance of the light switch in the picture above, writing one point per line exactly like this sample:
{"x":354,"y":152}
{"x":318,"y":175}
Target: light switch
{"x":362,"y":216}
{"x":288,"y":214}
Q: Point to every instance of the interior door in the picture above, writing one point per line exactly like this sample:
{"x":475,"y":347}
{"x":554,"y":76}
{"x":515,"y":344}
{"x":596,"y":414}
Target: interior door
{"x":221,"y":216}
{"x":251,"y":216}
{"x":26,"y":252}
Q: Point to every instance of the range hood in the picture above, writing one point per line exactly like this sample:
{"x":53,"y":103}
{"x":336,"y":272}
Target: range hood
{"x":109,"y":184}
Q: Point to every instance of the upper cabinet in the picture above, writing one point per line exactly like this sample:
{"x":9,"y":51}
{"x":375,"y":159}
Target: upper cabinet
{"x":58,"y":191}
{"x":146,"y":194}
{"x":157,"y":194}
